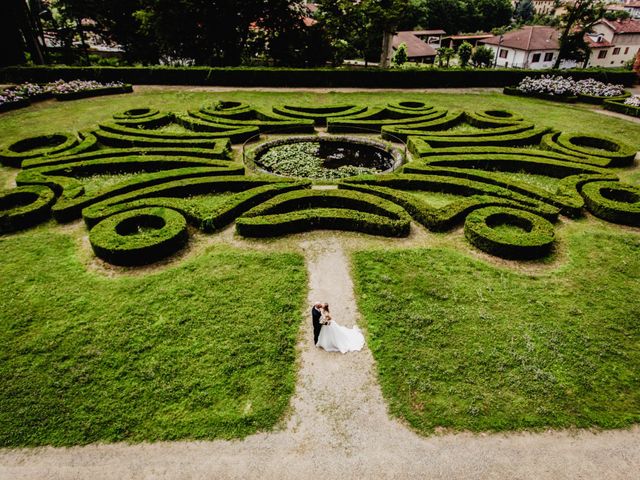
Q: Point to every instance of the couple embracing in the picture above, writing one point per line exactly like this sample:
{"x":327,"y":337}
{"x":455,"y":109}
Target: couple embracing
{"x":331,"y":336}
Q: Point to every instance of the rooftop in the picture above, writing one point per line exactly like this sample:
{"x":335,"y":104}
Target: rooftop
{"x":534,"y":37}
{"x":415,"y":46}
{"x":623,"y":26}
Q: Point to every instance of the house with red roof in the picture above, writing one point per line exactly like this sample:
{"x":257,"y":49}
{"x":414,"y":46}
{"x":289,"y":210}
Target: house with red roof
{"x":421,"y":44}
{"x":624,"y":35}
{"x":533,"y":47}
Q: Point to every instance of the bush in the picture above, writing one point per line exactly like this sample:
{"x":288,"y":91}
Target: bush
{"x":613,"y":202}
{"x":304,"y":210}
{"x":139,"y":237}
{"x":621,"y":107}
{"x":40,"y":146}
{"x":593,"y":149}
{"x":93,"y":92}
{"x":24,"y":207}
{"x":509,"y":233}
{"x":320,"y":77}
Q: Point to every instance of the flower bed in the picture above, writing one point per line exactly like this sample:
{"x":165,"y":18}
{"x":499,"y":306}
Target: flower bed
{"x":566,"y":89}
{"x":22,"y":95}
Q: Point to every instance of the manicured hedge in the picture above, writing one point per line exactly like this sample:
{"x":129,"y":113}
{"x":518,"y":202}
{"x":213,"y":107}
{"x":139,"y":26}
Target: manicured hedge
{"x":41,"y":146}
{"x":544,"y":96}
{"x":613,"y":201}
{"x":594,"y":149}
{"x":95,"y":92}
{"x":265,"y":123}
{"x":358,"y":123}
{"x":304,"y":210}
{"x":320,"y":115}
{"x":24,"y":207}
{"x":528,"y":237}
{"x":150,"y":120}
{"x":110,"y":138}
{"x":465,"y":187}
{"x":316,"y":77}
{"x":620,"y":107}
{"x":139,"y":237}
{"x":6,"y":107}
{"x":450,"y":120}
{"x":521,"y":136}
{"x":599,"y":100}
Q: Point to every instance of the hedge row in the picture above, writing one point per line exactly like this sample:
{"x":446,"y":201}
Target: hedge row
{"x":139,"y":237}
{"x":515,"y":91}
{"x":613,"y":201}
{"x":24,"y":207}
{"x":509,"y":233}
{"x":320,"y":115}
{"x":113,"y":139}
{"x":178,"y":188}
{"x":304,"y":210}
{"x":95,"y":92}
{"x":264,"y":123}
{"x":317,"y":77}
{"x":450,"y":120}
{"x":370,"y":123}
{"x":569,"y":204}
{"x":598,"y":99}
{"x":593,"y":149}
{"x":521,"y":136}
{"x":151,"y":171}
{"x":40,"y":146}
{"x":620,"y":107}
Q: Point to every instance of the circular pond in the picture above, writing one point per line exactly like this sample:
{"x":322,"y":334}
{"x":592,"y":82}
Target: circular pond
{"x":326,"y":158}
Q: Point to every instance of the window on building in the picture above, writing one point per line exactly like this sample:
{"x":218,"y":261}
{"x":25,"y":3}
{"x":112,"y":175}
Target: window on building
{"x":548,"y":57}
{"x":626,"y":50}
{"x":602,"y":54}
{"x":535,"y":58}
{"x":616,"y":50}
{"x":503,"y":53}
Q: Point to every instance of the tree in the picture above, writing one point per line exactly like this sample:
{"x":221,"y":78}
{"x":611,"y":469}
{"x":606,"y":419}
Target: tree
{"x":614,"y":15}
{"x":482,"y":56}
{"x":489,"y":14}
{"x":465,"y":51}
{"x":579,"y":18}
{"x":19,"y":34}
{"x":444,"y":56}
{"x":400,"y":56}
{"x":525,"y":11}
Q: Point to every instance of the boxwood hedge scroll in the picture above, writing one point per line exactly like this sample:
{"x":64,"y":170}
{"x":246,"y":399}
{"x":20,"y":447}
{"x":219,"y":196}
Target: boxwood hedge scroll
{"x":140,"y":180}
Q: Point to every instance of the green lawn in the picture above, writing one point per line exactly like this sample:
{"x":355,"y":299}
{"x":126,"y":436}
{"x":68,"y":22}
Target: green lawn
{"x":205,"y":349}
{"x":463,"y":344}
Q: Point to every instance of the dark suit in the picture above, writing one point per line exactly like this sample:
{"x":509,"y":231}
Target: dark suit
{"x":315,"y":317}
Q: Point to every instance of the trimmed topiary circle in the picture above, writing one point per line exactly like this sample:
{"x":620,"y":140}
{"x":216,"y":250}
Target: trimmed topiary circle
{"x":527,"y":235}
{"x":40,"y":146}
{"x":613,"y":201}
{"x":25,"y":207}
{"x":139,"y":237}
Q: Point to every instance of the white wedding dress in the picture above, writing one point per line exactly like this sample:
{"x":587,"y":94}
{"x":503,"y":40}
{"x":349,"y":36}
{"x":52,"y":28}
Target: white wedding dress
{"x":336,"y":338}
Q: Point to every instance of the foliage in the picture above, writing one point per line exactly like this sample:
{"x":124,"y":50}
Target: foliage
{"x":444,"y":56}
{"x":579,"y":18}
{"x":400,"y":56}
{"x":524,"y":11}
{"x":302,"y":159}
{"x":482,"y":56}
{"x":464,"y":53}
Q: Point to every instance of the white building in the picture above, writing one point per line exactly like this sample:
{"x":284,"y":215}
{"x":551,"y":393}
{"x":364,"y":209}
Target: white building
{"x":625,"y":39}
{"x":533,"y":47}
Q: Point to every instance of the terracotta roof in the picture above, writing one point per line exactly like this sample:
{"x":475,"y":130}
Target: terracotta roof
{"x":415,"y":46}
{"x":593,"y":44}
{"x":534,"y":37}
{"x":624,"y":26}
{"x":632,"y":4}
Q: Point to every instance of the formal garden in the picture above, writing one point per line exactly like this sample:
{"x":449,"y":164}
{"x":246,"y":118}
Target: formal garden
{"x":153,"y":283}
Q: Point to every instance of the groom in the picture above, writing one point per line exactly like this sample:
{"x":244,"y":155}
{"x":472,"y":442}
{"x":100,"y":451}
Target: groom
{"x":315,"y":318}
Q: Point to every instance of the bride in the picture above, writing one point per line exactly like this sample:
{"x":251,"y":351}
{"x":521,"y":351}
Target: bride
{"x":336,"y":338}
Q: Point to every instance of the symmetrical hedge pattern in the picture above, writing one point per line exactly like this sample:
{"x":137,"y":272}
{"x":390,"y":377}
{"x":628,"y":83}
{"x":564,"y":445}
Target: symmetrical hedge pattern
{"x":142,"y":179}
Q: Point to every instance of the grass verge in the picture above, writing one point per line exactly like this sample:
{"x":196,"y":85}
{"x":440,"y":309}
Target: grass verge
{"x":200,"y":351}
{"x":464,"y":345}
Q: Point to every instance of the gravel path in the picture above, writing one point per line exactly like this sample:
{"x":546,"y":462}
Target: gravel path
{"x":339,"y":427}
